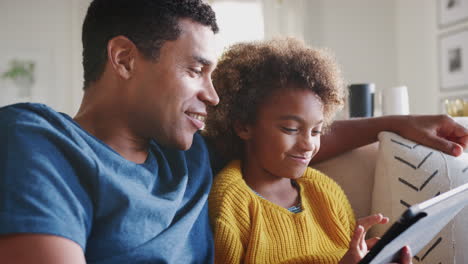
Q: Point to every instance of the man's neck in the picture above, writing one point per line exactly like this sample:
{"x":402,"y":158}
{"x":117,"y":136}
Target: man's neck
{"x":109,"y":124}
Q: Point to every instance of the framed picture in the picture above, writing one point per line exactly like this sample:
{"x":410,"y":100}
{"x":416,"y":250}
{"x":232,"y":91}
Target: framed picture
{"x":454,"y":60}
{"x":452,"y":11}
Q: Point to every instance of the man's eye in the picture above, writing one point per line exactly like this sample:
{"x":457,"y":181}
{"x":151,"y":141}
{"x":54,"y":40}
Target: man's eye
{"x":197,"y":71}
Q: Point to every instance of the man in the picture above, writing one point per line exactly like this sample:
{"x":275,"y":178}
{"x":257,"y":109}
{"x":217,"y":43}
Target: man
{"x":126,"y":180}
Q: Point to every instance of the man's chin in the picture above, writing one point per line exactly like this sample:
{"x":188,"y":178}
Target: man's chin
{"x":183,"y":144}
{"x":179,"y":141}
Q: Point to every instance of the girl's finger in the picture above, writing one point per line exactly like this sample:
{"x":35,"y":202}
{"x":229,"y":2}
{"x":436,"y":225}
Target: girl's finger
{"x":356,"y":239}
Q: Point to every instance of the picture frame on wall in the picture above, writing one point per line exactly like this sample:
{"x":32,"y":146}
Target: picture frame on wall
{"x":453,"y":62}
{"x":452,"y":11}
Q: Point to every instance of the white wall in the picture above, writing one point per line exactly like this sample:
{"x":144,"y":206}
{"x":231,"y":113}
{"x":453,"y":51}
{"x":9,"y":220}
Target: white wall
{"x":417,"y":53}
{"x":285,"y":18}
{"x":361,"y":33}
{"x":46,"y":29}
{"x":386,"y":42}
{"x":231,"y":30}
{"x":418,"y":35}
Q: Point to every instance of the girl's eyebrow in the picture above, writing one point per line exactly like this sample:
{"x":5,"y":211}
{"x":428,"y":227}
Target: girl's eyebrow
{"x":298,"y":119}
{"x":291,"y":117}
{"x":319,"y":122}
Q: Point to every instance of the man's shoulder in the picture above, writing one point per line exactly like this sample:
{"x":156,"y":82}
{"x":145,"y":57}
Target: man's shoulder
{"x":28,"y":124}
{"x":29,"y":113}
{"x":198,"y":153}
{"x":198,"y":142}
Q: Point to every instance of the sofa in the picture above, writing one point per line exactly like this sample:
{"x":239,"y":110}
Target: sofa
{"x":392,"y":174}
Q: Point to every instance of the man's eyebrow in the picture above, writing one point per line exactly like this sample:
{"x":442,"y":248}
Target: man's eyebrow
{"x":202,"y":60}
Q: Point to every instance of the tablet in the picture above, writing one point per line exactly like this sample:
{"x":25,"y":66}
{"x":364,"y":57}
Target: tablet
{"x":412,"y":227}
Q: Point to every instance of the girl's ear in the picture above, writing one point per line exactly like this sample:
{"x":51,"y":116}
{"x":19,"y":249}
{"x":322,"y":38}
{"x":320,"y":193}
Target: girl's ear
{"x":242,"y":130}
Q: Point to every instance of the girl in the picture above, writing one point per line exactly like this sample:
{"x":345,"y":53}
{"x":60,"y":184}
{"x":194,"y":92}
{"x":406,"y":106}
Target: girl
{"x":267,"y":205}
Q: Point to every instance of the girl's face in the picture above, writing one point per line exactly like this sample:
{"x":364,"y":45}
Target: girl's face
{"x":286,"y":134}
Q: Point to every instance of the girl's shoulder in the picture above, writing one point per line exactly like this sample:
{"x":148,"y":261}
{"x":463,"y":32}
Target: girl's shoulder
{"x":229,"y":188}
{"x":313,"y":176}
{"x":229,"y":176}
{"x":315,"y":180}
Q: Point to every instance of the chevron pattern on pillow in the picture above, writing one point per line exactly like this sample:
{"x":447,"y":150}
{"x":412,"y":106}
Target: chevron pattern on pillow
{"x":408,"y":173}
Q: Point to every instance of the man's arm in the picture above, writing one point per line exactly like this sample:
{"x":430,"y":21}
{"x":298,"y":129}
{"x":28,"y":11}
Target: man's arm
{"x":437,"y":131}
{"x":38,"y":249}
{"x":46,"y":210}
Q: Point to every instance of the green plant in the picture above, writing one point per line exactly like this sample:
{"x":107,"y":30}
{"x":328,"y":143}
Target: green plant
{"x":20,"y":69}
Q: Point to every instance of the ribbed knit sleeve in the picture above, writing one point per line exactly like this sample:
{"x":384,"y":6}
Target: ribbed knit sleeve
{"x":229,"y":215}
{"x":228,"y":248}
{"x":250,"y":229}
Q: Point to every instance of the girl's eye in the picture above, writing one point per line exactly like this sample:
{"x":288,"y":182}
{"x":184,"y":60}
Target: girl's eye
{"x":316,"y":132}
{"x":288,"y":129}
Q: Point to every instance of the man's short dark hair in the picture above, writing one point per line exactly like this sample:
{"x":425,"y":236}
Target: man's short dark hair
{"x":148,"y":23}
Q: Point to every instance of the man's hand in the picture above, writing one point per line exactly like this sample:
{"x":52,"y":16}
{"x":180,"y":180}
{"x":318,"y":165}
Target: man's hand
{"x":439,"y":132}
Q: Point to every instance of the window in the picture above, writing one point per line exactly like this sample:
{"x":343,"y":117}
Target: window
{"x":238,"y":21}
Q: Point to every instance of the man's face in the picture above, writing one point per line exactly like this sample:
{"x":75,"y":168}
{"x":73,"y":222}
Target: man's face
{"x":171,"y":95}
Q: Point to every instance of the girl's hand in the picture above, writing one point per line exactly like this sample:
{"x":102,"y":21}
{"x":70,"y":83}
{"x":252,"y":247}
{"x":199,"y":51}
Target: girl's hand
{"x":358,"y":247}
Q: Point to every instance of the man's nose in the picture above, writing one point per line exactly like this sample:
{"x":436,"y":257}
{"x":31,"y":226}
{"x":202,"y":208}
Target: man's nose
{"x":209,"y":94}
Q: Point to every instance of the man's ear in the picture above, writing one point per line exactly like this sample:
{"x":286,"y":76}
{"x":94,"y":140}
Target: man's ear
{"x":242,"y":130}
{"x":121,"y":53}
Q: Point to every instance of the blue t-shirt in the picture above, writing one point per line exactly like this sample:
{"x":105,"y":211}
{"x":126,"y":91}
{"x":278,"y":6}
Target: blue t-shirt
{"x":56,"y":178}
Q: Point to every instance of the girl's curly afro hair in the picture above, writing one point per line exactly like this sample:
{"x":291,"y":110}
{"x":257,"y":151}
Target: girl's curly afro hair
{"x":248,"y":73}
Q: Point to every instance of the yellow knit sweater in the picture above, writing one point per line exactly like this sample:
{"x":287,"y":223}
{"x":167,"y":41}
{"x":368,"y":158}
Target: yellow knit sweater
{"x":250,"y":229}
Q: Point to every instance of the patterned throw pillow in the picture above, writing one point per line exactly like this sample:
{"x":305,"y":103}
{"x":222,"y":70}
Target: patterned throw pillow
{"x":408,"y":173}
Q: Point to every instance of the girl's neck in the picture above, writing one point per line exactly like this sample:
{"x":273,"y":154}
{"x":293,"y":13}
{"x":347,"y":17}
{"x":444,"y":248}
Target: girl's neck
{"x":275,"y":189}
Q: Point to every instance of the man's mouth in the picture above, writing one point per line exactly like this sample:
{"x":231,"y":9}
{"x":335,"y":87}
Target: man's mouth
{"x":198,"y":119}
{"x":197,"y":116}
